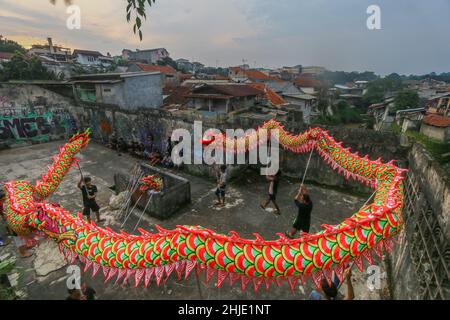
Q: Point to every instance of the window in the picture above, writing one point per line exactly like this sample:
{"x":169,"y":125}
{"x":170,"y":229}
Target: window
{"x":106,"y":90}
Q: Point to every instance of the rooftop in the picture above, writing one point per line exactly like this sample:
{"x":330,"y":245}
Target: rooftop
{"x":308,"y":82}
{"x":87,"y":52}
{"x":437,"y":121}
{"x":271,"y":95}
{"x":152,"y":68}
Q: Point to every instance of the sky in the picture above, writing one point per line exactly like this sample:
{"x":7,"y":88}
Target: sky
{"x":413,"y":39}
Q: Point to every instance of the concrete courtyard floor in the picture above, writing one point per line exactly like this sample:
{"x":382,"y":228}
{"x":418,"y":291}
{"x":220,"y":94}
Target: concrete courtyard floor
{"x":44,"y":276}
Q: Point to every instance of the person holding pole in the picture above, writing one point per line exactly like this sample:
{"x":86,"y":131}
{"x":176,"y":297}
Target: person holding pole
{"x":89,"y":192}
{"x":303,"y":221}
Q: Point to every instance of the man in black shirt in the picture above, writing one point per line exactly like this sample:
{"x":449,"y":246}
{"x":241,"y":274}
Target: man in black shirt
{"x":305,"y":206}
{"x":89,"y":192}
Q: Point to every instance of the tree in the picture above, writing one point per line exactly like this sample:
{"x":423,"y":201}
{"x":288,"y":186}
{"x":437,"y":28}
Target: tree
{"x":10,"y":46}
{"x":23,"y":68}
{"x":406,"y":99}
{"x":168,"y":61}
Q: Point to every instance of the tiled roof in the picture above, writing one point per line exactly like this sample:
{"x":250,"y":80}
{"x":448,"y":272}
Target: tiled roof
{"x":308,"y":82}
{"x":176,"y":95}
{"x":254,"y":74}
{"x":271,"y":95}
{"x":437,"y":121}
{"x":151,"y":68}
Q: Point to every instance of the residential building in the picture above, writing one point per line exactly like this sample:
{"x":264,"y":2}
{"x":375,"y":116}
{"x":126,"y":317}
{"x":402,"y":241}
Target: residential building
{"x":92,"y":58}
{"x":283,"y":87}
{"x":185,"y":65}
{"x":150,"y":56}
{"x":439,"y":105}
{"x":51,"y":52}
{"x":308,"y":84}
{"x":305,"y":103}
{"x":315,"y":71}
{"x":241,"y":75}
{"x":410,"y":119}
{"x":436,"y":127}
{"x":269,"y":96}
{"x":170,"y":75}
{"x":223,"y":98}
{"x":383,"y":115}
{"x":130,"y":91}
{"x":197,"y":67}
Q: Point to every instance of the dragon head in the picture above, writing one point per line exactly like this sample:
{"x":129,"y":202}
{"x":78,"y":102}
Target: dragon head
{"x":153,"y":182}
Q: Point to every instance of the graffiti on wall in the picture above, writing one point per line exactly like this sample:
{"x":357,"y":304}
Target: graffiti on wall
{"x":20,"y":127}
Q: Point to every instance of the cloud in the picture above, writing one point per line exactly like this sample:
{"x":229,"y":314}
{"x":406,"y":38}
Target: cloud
{"x":270,"y":33}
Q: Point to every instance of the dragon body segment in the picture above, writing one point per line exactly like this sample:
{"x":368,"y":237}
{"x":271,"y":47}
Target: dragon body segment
{"x":230,"y":258}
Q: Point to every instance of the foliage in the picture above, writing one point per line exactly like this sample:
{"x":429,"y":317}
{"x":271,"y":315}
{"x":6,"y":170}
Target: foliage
{"x":341,"y":77}
{"x":10,"y":46}
{"x":168,"y":61}
{"x":6,"y":293}
{"x":344,"y":113}
{"x":23,"y":68}
{"x":137,"y":8}
{"x":436,"y":148}
{"x":406,"y":99}
{"x":378,"y":89}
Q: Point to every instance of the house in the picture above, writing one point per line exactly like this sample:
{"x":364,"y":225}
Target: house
{"x":269,"y":96}
{"x":150,"y":56}
{"x":436,"y":127}
{"x":129,"y":91}
{"x":439,"y":105}
{"x":185,"y":65}
{"x":410,"y":119}
{"x":92,"y":58}
{"x":51,"y":52}
{"x":383,"y":115}
{"x":306,"y":103}
{"x":308,"y":84}
{"x":176,"y":97}
{"x":283,"y":87}
{"x":5,"y":56}
{"x":59,"y":68}
{"x":241,"y":75}
{"x":223,"y":99}
{"x":313,"y":70}
{"x":197,"y":67}
{"x":169,"y":74}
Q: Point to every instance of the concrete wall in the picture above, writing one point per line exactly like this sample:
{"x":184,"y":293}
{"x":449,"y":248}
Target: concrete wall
{"x":418,"y":264}
{"x":441,"y":134}
{"x":174,"y":196}
{"x":143,"y":92}
{"x":373,"y":143}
